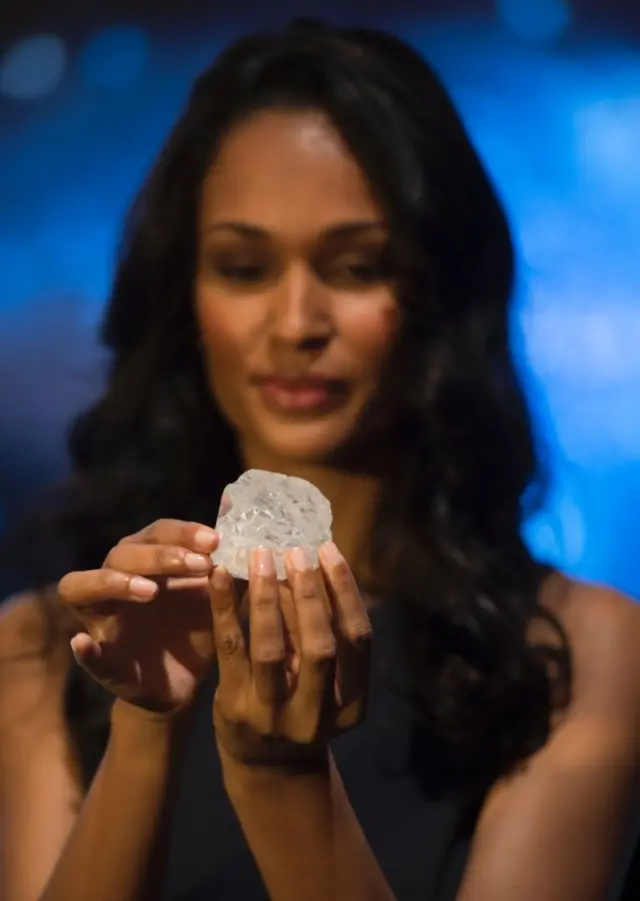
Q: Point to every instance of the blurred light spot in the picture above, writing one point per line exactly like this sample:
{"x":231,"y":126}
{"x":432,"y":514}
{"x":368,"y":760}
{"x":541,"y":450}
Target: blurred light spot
{"x":114,"y":56}
{"x":536,"y":19}
{"x":588,"y":348}
{"x":558,"y":534}
{"x":607,"y":135}
{"x":34,"y":67}
{"x":574,"y":533}
{"x":542,"y":540}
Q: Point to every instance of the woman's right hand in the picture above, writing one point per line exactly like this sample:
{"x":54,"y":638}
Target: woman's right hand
{"x":301,"y":675}
{"x":146,"y":615}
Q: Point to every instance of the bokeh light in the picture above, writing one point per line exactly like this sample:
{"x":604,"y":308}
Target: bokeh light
{"x":536,"y":19}
{"x":607,"y":134}
{"x":114,"y":56}
{"x":33,"y":67}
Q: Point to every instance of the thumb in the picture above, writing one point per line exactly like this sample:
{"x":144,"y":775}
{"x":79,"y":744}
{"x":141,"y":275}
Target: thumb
{"x":89,"y":655}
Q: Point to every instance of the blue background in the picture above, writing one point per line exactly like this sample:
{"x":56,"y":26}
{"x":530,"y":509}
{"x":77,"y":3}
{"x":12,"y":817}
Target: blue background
{"x":551,"y":93}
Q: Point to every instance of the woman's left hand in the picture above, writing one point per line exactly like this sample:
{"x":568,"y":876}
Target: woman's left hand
{"x":302,"y":675}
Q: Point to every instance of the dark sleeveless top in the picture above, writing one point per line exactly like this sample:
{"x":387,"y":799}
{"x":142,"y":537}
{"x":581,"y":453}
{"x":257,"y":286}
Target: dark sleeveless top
{"x":419,"y":838}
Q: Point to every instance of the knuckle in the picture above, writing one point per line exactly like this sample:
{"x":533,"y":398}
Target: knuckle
{"x":264,"y":724}
{"x":111,"y":580}
{"x":170,"y":557}
{"x":269,"y":654}
{"x":302,"y":723}
{"x":265,"y":597}
{"x":302,"y":733}
{"x":341,"y":576}
{"x":319,"y":652}
{"x":65,"y":585}
{"x":358,"y":629}
{"x":109,"y":558}
{"x":159,"y":524}
{"x":230,"y":707}
{"x":156,"y":528}
{"x":119,"y":548}
{"x":229,"y":643}
{"x":308,"y":590}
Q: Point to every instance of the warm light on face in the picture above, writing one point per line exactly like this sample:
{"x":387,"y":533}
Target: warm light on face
{"x":294,"y":297}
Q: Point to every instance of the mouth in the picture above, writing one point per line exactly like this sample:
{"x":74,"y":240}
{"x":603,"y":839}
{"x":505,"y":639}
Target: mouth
{"x":311,"y":394}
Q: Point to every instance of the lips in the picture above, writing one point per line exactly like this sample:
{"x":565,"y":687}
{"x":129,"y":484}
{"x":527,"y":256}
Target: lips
{"x":303,"y":395}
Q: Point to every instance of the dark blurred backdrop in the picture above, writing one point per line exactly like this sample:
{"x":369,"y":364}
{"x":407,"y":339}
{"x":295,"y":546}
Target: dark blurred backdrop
{"x":550,"y":90}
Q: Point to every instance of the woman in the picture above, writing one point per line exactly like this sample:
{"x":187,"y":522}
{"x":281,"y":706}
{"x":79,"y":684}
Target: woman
{"x":315,"y":280}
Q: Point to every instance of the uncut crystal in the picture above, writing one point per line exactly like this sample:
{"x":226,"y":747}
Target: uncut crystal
{"x":270,"y":510}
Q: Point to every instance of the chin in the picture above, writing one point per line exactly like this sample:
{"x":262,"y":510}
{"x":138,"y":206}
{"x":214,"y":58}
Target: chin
{"x":302,"y":445}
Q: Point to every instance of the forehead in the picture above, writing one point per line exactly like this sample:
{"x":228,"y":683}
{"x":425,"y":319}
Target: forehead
{"x":287,"y":171}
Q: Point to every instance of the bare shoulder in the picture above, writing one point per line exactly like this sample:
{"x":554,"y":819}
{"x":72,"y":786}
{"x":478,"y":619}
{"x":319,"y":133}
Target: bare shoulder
{"x":530,"y":840}
{"x":602,"y":626}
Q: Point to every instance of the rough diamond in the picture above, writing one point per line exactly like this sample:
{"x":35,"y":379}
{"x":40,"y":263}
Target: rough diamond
{"x":270,"y":510}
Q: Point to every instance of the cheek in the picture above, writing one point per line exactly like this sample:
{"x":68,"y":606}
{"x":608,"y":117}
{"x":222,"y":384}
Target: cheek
{"x":224,"y":341}
{"x":225,"y":333}
{"x":373,"y":331}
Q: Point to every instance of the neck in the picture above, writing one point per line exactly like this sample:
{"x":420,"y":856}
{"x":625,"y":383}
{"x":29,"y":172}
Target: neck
{"x":352,"y":497}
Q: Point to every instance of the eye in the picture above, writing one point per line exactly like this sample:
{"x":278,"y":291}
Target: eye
{"x":237,"y":267}
{"x":365,"y":271}
{"x":357,"y":269}
{"x":245,"y":273}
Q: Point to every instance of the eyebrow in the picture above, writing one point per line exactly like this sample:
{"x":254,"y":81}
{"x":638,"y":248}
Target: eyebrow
{"x":344,"y":230}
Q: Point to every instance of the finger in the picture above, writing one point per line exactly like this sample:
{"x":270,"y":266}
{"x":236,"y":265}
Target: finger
{"x":267,"y":646}
{"x":290,"y":624}
{"x":233,"y":663}
{"x":93,"y":586}
{"x":157,"y":560}
{"x":88,"y":654}
{"x":190,"y":535}
{"x":353,"y":626}
{"x":180,"y":583}
{"x":316,"y":674}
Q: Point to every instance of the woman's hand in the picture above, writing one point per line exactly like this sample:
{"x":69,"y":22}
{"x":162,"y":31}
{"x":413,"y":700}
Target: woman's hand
{"x":301,"y":676}
{"x":147,"y":615}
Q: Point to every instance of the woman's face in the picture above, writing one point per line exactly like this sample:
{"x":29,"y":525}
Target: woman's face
{"x":294,"y":302}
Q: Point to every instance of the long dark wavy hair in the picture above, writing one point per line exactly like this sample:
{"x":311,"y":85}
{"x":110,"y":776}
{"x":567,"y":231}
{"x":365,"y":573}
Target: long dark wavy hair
{"x":447,"y":536}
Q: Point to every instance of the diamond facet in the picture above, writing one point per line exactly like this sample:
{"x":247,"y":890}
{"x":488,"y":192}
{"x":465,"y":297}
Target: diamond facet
{"x":270,"y":510}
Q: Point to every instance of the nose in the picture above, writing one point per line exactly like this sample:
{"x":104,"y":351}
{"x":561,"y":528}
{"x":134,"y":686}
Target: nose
{"x":300,"y":313}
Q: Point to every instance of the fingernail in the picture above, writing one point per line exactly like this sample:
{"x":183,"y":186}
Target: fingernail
{"x":142,"y":588}
{"x":299,"y":559}
{"x":331,"y":554}
{"x":263,"y":562}
{"x":205,"y":539}
{"x":197,"y":563}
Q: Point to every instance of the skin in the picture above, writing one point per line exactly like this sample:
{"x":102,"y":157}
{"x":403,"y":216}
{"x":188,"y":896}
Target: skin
{"x":283,"y":290}
{"x":550,"y":831}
